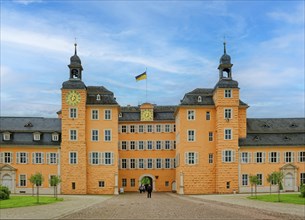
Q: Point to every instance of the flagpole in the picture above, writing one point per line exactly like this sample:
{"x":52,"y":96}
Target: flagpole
{"x":146,"y":83}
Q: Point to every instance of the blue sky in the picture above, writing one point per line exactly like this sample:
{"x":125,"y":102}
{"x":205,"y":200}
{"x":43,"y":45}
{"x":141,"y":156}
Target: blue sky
{"x":179,"y":42}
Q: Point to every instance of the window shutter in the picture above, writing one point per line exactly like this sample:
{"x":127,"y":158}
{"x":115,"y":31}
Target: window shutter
{"x":264,"y":157}
{"x":172,"y":163}
{"x":120,"y":128}
{"x":27,"y":157}
{"x":120,"y":145}
{"x":112,"y":158}
{"x":255,"y":157}
{"x":240,"y":157}
{"x":269,"y":157}
{"x":136,"y":164}
{"x":162,"y":163}
{"x":144,"y":145}
{"x":233,"y":155}
{"x":48,"y":158}
{"x":119,"y":163}
{"x":278,"y":154}
{"x":250,"y":157}
{"x":33,"y":158}
{"x":136,"y":128}
{"x":1,"y":157}
{"x":90,"y":158}
{"x":172,"y":145}
{"x":127,"y":145}
{"x":162,"y":128}
{"x":299,"y":156}
{"x":18,"y":157}
{"x":153,"y":145}
{"x":292,"y":157}
{"x":57,"y":158}
{"x":153,"y":163}
{"x":223,"y":156}
{"x":196,"y":158}
{"x":103,"y":158}
{"x":186,"y":157}
{"x":42,"y":158}
{"x":162,"y":145}
{"x":127,"y":164}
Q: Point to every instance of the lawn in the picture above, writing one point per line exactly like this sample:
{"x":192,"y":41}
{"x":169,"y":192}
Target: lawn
{"x":284,"y":198}
{"x":21,"y":201}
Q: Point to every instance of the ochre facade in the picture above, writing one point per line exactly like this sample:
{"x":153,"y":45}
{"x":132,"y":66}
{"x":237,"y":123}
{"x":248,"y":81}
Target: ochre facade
{"x":204,"y":145}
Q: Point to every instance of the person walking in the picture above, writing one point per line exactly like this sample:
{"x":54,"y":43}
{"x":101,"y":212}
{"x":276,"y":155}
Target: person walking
{"x":149,"y":190}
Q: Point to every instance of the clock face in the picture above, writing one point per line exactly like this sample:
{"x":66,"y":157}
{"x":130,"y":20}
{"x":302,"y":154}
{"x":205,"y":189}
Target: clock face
{"x":146,"y":115}
{"x":73,"y":97}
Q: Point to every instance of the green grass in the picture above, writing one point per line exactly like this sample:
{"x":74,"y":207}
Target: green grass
{"x":284,"y":198}
{"x":21,"y":201}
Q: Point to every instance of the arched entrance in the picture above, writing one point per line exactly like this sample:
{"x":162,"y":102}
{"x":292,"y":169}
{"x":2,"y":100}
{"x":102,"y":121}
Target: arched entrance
{"x":150,"y":178}
{"x":289,"y":182}
{"x":7,"y":181}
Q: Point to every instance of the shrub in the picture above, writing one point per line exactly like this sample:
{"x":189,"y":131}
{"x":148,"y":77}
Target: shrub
{"x":302,"y":190}
{"x":4,"y":193}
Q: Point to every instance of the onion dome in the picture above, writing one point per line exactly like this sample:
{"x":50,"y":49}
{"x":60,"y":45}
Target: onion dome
{"x":225,"y":58}
{"x":75,"y":59}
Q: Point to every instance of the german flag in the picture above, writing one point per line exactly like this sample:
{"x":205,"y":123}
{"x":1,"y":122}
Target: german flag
{"x":141,"y":76}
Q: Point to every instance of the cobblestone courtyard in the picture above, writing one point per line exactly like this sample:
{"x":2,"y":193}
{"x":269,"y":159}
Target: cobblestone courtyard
{"x":160,"y":206}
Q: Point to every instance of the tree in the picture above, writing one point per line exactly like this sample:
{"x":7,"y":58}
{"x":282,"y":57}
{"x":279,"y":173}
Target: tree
{"x":253,"y":181}
{"x":37,"y":180}
{"x":278,"y":179}
{"x":32,"y":180}
{"x":54,"y":181}
{"x":270,"y":180}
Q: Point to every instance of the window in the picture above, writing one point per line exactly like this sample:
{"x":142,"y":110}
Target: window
{"x":73,"y":157}
{"x":6,"y":136}
{"x":288,"y":157}
{"x":149,"y":145}
{"x":167,"y":128}
{"x":124,"y":145}
{"x":149,"y":128}
{"x":274,"y":157}
{"x":132,"y":163}
{"x":132,"y":129}
{"x":158,"y":128}
{"x":167,"y":145}
{"x":107,"y":136}
{"x":22,"y":180}
{"x":124,"y":163}
{"x":141,"y":128}
{"x":107,"y":114}
{"x":167,"y":163}
{"x":7,"y":156}
{"x":22,"y":157}
{"x":207,"y":116}
{"x":228,"y":156}
{"x":101,"y":184}
{"x":124,"y":182}
{"x":132,"y":145}
{"x":37,"y":158}
{"x":73,"y":185}
{"x":94,"y":114}
{"x":211,"y":158}
{"x":94,"y":157}
{"x":174,"y":144}
{"x":132,"y":182}
{"x":228,"y":185}
{"x":108,"y":158}
{"x":228,"y":113}
{"x":302,"y":178}
{"x":259,"y":179}
{"x":158,"y":163}
{"x":124,"y":128}
{"x":166,"y":183}
{"x":191,"y":158}
{"x":94,"y":135}
{"x":301,"y":156}
{"x":141,"y":145}
{"x":191,"y":135}
{"x":36,"y":136}
{"x":190,"y":115}
{"x":210,"y":136}
{"x":52,"y":158}
{"x":158,"y":145}
{"x":245,"y":157}
{"x":228,"y":93}
{"x":55,"y":137}
{"x":73,"y":113}
{"x":141,"y":163}
{"x":245,"y":180}
{"x":228,"y":134}
{"x":73,"y":135}
{"x":149,"y":163}
{"x":259,"y":157}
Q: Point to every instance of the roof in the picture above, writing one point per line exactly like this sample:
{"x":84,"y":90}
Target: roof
{"x":161,"y":113}
{"x":274,"y":132}
{"x":30,"y":124}
{"x":99,"y":95}
{"x":226,"y":83}
{"x":73,"y":84}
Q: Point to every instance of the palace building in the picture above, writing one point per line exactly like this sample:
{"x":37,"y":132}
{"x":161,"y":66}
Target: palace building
{"x":203,"y":145}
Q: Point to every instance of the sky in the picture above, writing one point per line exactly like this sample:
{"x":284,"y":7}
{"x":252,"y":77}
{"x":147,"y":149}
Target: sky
{"x":178,"y":43}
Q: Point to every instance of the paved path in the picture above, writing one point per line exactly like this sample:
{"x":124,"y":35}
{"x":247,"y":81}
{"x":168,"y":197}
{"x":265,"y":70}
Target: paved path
{"x":160,"y":206}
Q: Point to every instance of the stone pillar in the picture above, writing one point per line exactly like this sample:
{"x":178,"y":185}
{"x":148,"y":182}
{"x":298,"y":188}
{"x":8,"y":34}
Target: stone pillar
{"x":116,"y":181}
{"x":181,"y":190}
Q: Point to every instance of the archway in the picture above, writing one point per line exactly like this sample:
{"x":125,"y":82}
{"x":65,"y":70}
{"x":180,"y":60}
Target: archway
{"x":151,"y":179}
{"x":289,"y":182}
{"x":7,"y":181}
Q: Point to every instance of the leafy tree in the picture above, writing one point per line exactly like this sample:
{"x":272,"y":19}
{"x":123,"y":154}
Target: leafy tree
{"x":54,"y":181}
{"x":4,"y":192}
{"x":37,"y":180}
{"x":270,"y":180}
{"x":302,"y":190}
{"x":278,"y":179}
{"x":253,"y":181}
{"x":32,"y":180}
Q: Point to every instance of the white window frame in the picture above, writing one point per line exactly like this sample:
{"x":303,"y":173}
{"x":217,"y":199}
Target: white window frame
{"x":208,"y":116}
{"x":302,"y":178}
{"x":191,"y":137}
{"x":124,"y":128}
{"x":167,"y":163}
{"x":274,"y":157}
{"x":24,"y":180}
{"x":94,"y":135}
{"x":55,"y":136}
{"x":244,"y":179}
{"x":124,"y":182}
{"x":288,"y":157}
{"x":95,"y":158}
{"x":150,"y":163}
{"x":150,"y":128}
{"x":260,"y":179}
{"x":7,"y":159}
{"x":228,"y":93}
{"x":158,"y":128}
{"x":141,"y":129}
{"x":22,"y":157}
{"x":262,"y":157}
{"x":107,"y":136}
{"x":107,"y":114}
{"x":101,"y":183}
{"x":245,"y":157}
{"x":167,"y":128}
{"x":211,"y":136}
{"x":228,"y":134}
{"x":73,"y":135}
{"x":73,"y":157}
{"x":211,"y":158}
{"x":141,"y":163}
{"x":158,"y":163}
{"x":190,"y":115}
{"x":52,"y":158}
{"x":107,"y":158}
{"x":191,"y":158}
{"x":36,"y":136}
{"x":73,"y":112}
{"x":94,"y":114}
{"x":301,"y":156}
{"x":228,"y":113}
{"x":228,"y":156}
{"x":6,"y":136}
{"x":38,"y":158}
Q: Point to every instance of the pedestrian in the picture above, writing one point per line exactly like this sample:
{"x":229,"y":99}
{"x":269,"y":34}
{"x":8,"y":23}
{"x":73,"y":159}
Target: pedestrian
{"x":149,"y":189}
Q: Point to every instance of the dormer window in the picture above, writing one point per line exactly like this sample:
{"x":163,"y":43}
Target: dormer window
{"x":293,"y":125}
{"x":98,"y":97}
{"x":287,"y":138}
{"x":36,"y":136}
{"x":199,"y":99}
{"x":28,"y":125}
{"x":55,"y":136}
{"x":256,"y":138}
{"x":6,"y":136}
{"x":120,"y":115}
{"x":266,"y":125}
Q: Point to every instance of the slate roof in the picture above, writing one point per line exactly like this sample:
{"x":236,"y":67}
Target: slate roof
{"x":226,"y":83}
{"x":191,"y":98}
{"x":161,"y":113}
{"x":274,"y":132}
{"x":106,"y":96}
{"x":73,"y":84}
{"x":22,"y":129}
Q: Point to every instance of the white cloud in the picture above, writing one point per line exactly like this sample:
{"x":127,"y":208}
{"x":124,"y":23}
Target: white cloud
{"x":295,"y":16}
{"x":27,"y":2}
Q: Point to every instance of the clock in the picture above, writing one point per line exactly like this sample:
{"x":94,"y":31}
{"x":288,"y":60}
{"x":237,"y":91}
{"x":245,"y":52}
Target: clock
{"x":73,"y":97}
{"x":146,"y":115}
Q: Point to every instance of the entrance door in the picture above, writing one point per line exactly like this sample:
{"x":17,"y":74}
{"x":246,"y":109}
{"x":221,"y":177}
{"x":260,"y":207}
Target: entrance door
{"x":289,"y":182}
{"x":147,"y":180}
{"x":7,"y":181}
